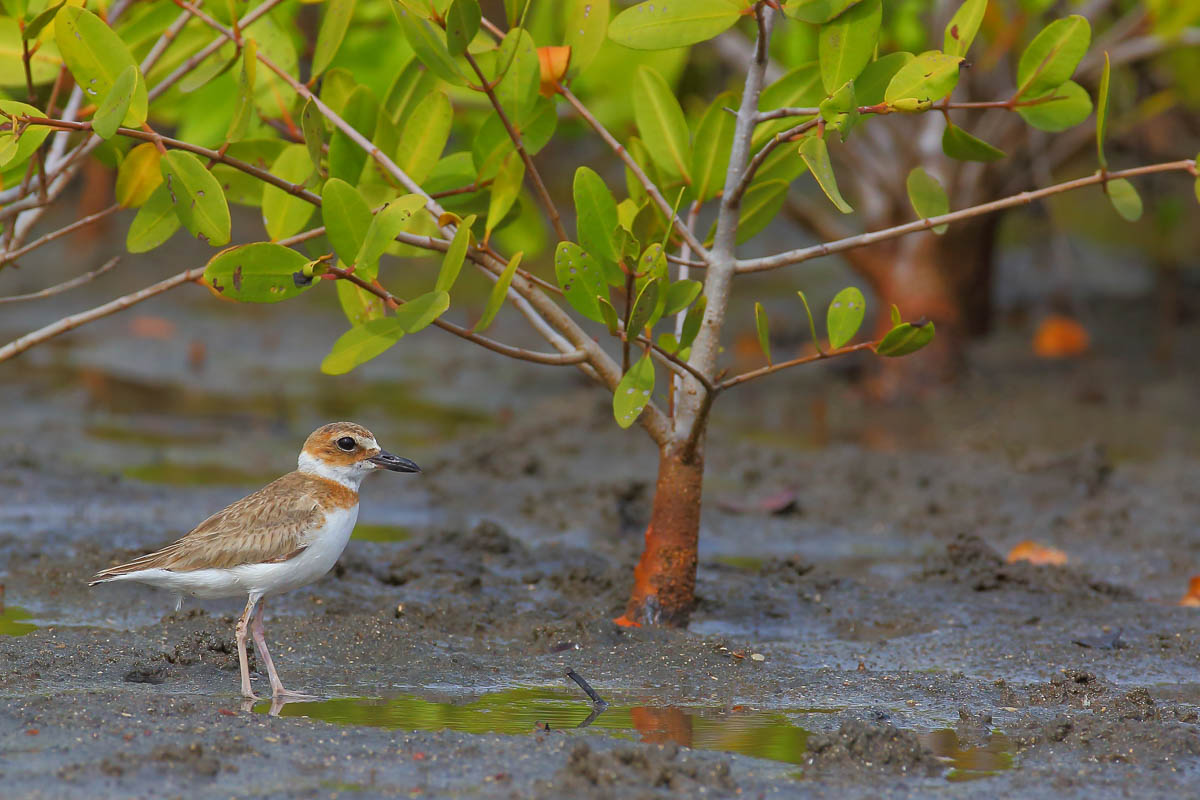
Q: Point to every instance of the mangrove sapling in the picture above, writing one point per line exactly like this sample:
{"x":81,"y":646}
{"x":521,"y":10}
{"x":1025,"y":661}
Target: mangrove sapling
{"x":637,"y":300}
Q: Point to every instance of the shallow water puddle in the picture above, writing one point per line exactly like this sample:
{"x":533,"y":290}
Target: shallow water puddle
{"x":371,"y":532}
{"x":773,"y":735}
{"x":11,"y":623}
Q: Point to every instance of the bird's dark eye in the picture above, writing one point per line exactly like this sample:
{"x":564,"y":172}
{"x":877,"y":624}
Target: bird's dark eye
{"x":346,"y":443}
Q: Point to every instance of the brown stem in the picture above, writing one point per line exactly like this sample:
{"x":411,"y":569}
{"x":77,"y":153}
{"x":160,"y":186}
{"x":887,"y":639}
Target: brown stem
{"x":87,"y":277}
{"x":82,"y":222}
{"x":820,"y":355}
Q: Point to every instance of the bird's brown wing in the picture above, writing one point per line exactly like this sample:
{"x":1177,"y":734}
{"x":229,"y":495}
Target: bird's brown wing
{"x":273,"y":524}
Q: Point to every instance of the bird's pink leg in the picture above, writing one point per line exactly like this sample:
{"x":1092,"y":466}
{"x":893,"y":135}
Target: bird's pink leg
{"x":243,"y":659}
{"x":260,"y":643}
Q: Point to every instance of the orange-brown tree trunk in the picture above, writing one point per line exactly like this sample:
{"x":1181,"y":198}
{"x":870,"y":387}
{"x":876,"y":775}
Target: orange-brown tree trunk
{"x":664,"y":581}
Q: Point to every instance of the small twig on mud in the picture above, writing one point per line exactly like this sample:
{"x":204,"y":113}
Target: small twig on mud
{"x":596,"y":699}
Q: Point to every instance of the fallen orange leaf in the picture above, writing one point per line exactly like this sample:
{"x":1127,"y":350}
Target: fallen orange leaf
{"x":553,"y":62}
{"x":625,"y":622}
{"x":1060,"y":336}
{"x":1035,"y":553}
{"x":1192,"y":598}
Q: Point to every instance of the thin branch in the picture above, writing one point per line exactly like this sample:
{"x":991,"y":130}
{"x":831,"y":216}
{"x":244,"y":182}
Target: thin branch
{"x":770,"y":369}
{"x":1024,"y":198}
{"x":87,"y":277}
{"x":520,"y":353}
{"x":18,"y":346}
{"x":82,"y":222}
{"x":881,"y":109}
{"x":638,"y":173}
{"x":531,"y":169}
{"x":757,"y":161}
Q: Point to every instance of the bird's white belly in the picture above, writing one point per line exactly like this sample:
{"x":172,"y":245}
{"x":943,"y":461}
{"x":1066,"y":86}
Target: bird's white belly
{"x":325,"y":546}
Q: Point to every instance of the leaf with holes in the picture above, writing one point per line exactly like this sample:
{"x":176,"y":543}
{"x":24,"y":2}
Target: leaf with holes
{"x":96,"y":57}
{"x":581,"y":279}
{"x":927,"y":196}
{"x":661,"y":123}
{"x":385,"y":226}
{"x":197,"y":197}
{"x":284,"y":213}
{"x":643,"y":308}
{"x":499,"y":292}
{"x":845,"y":316}
{"x":586,"y":27}
{"x":656,"y":25}
{"x":115,"y":105}
{"x":763,"y":329}
{"x":633,"y":392}
{"x":961,"y":145}
{"x":1051,"y":58}
{"x":847,"y":43}
{"x":261,"y":272}
{"x":815,"y":153}
{"x":962,"y":27}
{"x":905,"y":338}
{"x":927,"y":78}
{"x":456,"y":253}
{"x":1125,"y":199}
{"x":154,"y":223}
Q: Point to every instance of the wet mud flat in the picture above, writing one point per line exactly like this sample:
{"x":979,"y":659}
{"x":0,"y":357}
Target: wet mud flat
{"x":858,"y":633}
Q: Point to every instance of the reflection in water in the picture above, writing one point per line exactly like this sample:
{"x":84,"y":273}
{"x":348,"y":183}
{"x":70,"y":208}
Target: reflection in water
{"x":970,"y":762}
{"x":368,"y":532}
{"x":10,"y":621}
{"x":762,"y":734}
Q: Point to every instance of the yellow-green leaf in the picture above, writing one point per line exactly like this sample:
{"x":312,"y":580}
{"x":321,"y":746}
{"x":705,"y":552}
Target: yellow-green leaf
{"x":154,"y":223}
{"x":462,"y":23}
{"x":712,"y":143}
{"x":905,"y":338}
{"x":581,"y":279}
{"x":284,"y":213}
{"x":815,"y":153}
{"x":96,"y":57}
{"x":362,"y":343}
{"x":847,"y":43}
{"x":424,"y":137}
{"x":197,"y":196}
{"x":115,"y":105}
{"x":261,"y":272}
{"x":499,"y":292}
{"x":456,"y":253}
{"x":384,"y":227}
{"x":429,"y":43}
{"x":333,"y":30}
{"x":927,"y":196}
{"x":346,"y":157}
{"x":633,"y":392}
{"x":28,"y":140}
{"x":586,"y":27}
{"x":661,"y":123}
{"x":816,"y":11}
{"x":138,"y":176}
{"x":505,"y":188}
{"x":959,"y":144}
{"x":243,"y":112}
{"x":655,"y":25}
{"x":1125,"y":199}
{"x":760,"y":205}
{"x":845,"y":316}
{"x":928,"y":78}
{"x":1071,"y":107}
{"x":347,"y":218}
{"x":643,"y":307}
{"x":963,"y":26}
{"x":1102,"y":112}
{"x":763,"y":329}
{"x":596,"y":219}
{"x":420,"y":312}
{"x":359,"y":305}
{"x":1051,"y":58}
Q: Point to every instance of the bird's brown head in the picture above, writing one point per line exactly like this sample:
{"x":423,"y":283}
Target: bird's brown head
{"x":345,"y":452}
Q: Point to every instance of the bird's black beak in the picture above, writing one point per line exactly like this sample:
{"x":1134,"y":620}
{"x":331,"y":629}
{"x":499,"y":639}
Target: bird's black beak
{"x":385,"y":460}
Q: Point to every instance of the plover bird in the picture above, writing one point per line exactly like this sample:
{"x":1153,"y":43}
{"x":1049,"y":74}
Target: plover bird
{"x":286,"y":535}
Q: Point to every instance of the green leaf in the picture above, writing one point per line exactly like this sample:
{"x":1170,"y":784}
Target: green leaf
{"x":763,"y":329}
{"x":517,"y":90}
{"x":928,"y":78}
{"x":384,"y":227}
{"x":596,"y":220}
{"x":28,"y":140}
{"x":96,"y":57}
{"x":1102,"y":112}
{"x":420,"y":312}
{"x":608,"y":315}
{"x":359,"y":305}
{"x":362,"y":343}
{"x":655,"y":25}
{"x":312,"y":124}
{"x":760,"y":205}
{"x":680,"y":295}
{"x":462,"y":23}
{"x":643,"y":308}
{"x":115,"y":104}
{"x":1073,"y":107}
{"x":346,"y":157}
{"x":138,"y":176}
{"x":905,"y":338}
{"x":1052,"y":56}
{"x":815,"y":153}
{"x":243,"y":112}
{"x":692,"y":322}
{"x":713,"y":140}
{"x":871,"y":85}
{"x":816,"y":11}
{"x":505,"y":188}
{"x":347,"y":218}
{"x":456,"y":253}
{"x":284,"y":213}
{"x":499,"y":292}
{"x":1125,"y":199}
{"x":800,"y":87}
{"x":197,"y":196}
{"x":35,"y":26}
{"x":895,"y":313}
{"x":845,"y":316}
{"x":959,"y":144}
{"x":586,"y":27}
{"x":333,"y":30}
{"x":411,"y":86}
{"x":633,"y":392}
{"x":840,"y":110}
{"x":660,"y":122}
{"x":963,"y":26}
{"x":847,"y":43}
{"x":426,"y":132}
{"x":812,"y":326}
{"x":927,"y":196}
{"x":581,"y":279}
{"x":429,"y":44}
{"x":261,"y":272}
{"x":154,"y":223}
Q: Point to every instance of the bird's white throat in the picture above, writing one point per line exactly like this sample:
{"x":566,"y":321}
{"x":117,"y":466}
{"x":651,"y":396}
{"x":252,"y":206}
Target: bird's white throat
{"x":349,"y":476}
